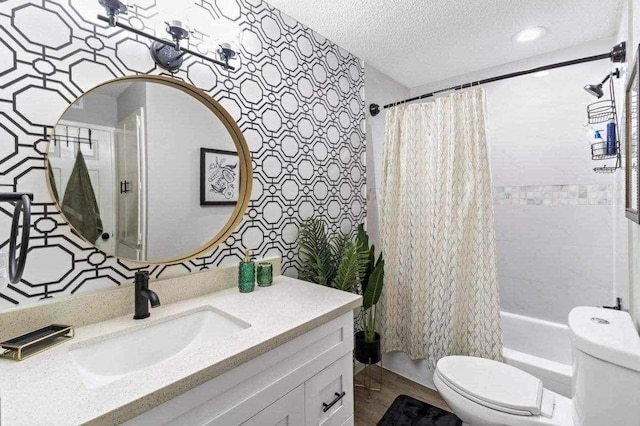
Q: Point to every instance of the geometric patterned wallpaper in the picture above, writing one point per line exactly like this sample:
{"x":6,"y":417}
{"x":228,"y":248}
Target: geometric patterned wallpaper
{"x":298,"y":98}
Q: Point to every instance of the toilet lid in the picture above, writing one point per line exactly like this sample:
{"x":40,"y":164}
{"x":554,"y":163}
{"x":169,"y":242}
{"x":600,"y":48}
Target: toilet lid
{"x":492,"y":384}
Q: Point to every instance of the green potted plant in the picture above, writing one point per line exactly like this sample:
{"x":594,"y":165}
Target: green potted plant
{"x":336,"y":261}
{"x":367,"y":341}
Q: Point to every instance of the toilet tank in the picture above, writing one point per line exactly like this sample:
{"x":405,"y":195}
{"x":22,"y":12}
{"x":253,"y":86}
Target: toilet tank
{"x":606,"y":367}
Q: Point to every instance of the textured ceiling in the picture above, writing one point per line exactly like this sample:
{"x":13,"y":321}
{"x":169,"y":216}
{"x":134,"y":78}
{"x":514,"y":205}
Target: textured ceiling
{"x":421,"y":41}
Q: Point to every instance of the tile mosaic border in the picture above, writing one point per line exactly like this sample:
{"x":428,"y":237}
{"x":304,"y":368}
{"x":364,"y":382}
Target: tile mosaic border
{"x":558,"y":195}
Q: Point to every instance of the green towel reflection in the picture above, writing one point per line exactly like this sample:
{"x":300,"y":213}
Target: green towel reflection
{"x":79,"y":205}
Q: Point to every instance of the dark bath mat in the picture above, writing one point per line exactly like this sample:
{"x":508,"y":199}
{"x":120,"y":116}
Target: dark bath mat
{"x":407,"y":411}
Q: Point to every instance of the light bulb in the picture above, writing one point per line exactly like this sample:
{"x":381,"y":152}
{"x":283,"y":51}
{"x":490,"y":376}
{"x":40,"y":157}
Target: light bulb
{"x":169,"y":11}
{"x":221,"y":38}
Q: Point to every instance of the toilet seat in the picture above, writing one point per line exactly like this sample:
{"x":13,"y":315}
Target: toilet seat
{"x":495,"y":385}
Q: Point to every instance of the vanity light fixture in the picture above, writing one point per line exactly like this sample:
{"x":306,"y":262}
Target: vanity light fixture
{"x":168,"y":54}
{"x":530,"y":34}
{"x":113,"y":9}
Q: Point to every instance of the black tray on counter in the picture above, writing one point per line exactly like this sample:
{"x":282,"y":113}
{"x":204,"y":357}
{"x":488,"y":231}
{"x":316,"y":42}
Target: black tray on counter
{"x":34,"y":342}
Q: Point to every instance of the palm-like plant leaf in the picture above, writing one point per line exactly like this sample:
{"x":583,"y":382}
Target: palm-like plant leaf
{"x":352,"y":266}
{"x":315,"y":252}
{"x":364,"y":282}
{"x":374,"y":288}
{"x":363,"y":239}
{"x":337,"y":244}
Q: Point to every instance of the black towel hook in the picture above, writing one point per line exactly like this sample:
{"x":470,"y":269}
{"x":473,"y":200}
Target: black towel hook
{"x":22,"y":205}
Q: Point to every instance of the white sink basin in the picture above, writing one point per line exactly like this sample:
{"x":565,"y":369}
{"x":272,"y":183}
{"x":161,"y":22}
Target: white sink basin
{"x":113,"y":357}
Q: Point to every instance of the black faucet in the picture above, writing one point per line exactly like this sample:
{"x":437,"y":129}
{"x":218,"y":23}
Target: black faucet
{"x":144,"y":296}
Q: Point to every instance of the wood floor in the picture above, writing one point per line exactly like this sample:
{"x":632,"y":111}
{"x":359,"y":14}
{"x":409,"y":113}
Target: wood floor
{"x":370,"y":407}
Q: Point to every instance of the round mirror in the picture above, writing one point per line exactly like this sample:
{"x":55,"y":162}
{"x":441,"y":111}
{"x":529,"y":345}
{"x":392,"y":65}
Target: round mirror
{"x":149,"y":169}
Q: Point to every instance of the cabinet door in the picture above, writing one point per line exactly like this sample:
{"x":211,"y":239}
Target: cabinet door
{"x":287,"y":411}
{"x":329,"y":394}
{"x":349,"y":422}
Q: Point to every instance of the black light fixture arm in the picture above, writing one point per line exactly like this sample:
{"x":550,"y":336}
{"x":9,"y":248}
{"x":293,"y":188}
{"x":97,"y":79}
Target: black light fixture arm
{"x":171,"y":43}
{"x":22,"y":206}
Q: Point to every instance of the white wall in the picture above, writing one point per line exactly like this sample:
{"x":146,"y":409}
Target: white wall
{"x":95,"y":108}
{"x":177,"y":127}
{"x":556,"y":242}
{"x":600,"y":46}
{"x":130,"y":100}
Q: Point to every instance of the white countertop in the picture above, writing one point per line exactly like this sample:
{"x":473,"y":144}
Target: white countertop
{"x":49,"y":390}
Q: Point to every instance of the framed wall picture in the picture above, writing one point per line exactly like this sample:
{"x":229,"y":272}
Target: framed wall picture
{"x":219,"y":177}
{"x":632,"y":136}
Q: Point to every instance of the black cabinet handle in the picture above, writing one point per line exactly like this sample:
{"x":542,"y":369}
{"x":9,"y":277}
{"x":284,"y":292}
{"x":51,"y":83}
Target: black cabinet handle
{"x":327,"y":407}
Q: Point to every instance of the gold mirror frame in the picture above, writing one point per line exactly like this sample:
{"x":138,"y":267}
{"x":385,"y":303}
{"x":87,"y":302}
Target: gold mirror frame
{"x":246,"y":170}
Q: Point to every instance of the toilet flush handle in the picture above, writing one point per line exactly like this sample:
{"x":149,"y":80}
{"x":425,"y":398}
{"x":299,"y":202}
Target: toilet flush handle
{"x":618,"y":305}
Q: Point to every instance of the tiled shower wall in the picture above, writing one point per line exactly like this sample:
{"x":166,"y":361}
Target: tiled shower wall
{"x":297,"y":97}
{"x":557,"y":195}
{"x":556,"y":219}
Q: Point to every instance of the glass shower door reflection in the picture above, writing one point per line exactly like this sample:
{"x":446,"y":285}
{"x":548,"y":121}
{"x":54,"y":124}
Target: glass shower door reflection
{"x":130,"y":180}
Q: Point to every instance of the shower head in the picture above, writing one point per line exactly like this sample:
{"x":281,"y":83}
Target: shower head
{"x":595,"y":90}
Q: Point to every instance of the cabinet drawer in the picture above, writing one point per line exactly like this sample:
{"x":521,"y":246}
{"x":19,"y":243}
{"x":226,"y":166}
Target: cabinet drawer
{"x":329,"y":394}
{"x":287,"y":411}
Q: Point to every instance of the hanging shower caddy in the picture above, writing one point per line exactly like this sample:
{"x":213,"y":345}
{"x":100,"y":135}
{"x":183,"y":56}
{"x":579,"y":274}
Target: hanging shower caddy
{"x":599,"y":113}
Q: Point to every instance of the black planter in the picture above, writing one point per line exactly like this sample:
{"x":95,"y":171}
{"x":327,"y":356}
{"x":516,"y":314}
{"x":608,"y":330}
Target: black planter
{"x":367,"y":352}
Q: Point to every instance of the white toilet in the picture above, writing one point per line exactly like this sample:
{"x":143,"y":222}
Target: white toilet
{"x":606,"y":380}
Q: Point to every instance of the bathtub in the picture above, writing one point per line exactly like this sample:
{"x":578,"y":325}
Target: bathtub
{"x":539,"y":347}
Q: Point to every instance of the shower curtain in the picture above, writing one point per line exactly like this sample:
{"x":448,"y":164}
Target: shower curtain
{"x":437,"y":232}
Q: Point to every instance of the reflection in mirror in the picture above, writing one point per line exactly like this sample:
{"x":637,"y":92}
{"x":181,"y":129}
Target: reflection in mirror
{"x":128,"y":170}
{"x":633,"y":152}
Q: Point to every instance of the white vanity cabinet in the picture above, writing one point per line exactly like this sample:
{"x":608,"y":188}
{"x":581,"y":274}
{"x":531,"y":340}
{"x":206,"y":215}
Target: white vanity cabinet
{"x":288,"y":410}
{"x":305,"y":381}
{"x":334,"y":385}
